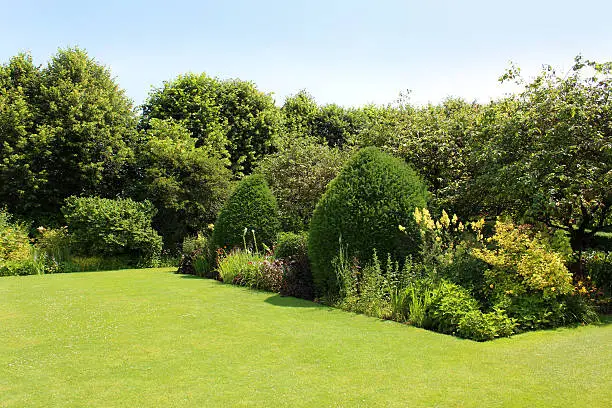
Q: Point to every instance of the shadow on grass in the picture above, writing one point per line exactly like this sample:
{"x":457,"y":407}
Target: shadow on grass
{"x":287,"y":301}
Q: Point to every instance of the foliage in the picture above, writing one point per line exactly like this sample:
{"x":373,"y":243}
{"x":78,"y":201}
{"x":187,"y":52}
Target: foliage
{"x":70,"y":128}
{"x":198,"y":258}
{"x":239,"y":265}
{"x":362,"y":207}
{"x":53,"y":246}
{"x":187,"y":184}
{"x":598,"y":266}
{"x":546,"y":153}
{"x":14,"y":242}
{"x":105,"y":227}
{"x":250,"y":213}
{"x":231,"y":117}
{"x":291,"y":250}
{"x":298,"y":175}
{"x":480,"y":326}
{"x":290,"y":244}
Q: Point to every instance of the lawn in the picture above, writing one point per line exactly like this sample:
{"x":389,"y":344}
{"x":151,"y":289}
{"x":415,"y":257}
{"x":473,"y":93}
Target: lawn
{"x":153,"y":338}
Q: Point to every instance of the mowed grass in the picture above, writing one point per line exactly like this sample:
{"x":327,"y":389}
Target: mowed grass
{"x":139,"y":338}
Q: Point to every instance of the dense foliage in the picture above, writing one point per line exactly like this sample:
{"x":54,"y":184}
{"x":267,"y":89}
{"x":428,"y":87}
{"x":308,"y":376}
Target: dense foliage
{"x":105,"y":227}
{"x":298,"y":175}
{"x":249,"y":217}
{"x":361,"y":210}
{"x":187,"y":184}
{"x":230,"y":117}
{"x":66,"y":129}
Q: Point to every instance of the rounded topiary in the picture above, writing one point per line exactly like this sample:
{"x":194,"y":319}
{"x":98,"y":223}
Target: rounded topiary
{"x":251,"y":206}
{"x":363,"y":207}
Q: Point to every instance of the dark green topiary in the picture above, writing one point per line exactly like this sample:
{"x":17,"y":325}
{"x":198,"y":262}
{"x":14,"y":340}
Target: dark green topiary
{"x":364,"y":205}
{"x":250,"y":206}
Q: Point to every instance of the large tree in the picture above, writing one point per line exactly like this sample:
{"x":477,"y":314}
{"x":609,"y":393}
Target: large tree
{"x":66,"y":129}
{"x":231,"y":117}
{"x":548,"y":150}
{"x":187,"y":184}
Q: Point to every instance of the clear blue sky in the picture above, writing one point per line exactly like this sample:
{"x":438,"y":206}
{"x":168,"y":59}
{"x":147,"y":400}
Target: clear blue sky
{"x":346,"y":52}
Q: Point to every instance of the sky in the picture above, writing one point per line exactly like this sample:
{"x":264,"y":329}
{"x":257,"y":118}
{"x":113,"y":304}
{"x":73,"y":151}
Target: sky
{"x":350,"y":53}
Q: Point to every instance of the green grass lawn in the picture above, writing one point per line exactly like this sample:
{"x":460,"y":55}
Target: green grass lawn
{"x":139,"y":338}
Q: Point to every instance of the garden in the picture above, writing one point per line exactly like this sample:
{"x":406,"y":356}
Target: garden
{"x":420,"y":243}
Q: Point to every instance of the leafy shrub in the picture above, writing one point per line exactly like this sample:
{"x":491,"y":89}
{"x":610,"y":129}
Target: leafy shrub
{"x":292,"y":250}
{"x":598,"y":265}
{"x":112,"y":228}
{"x":449,"y":304}
{"x":528,"y":279}
{"x":14,"y":242}
{"x":16,"y":251}
{"x":480,"y":326}
{"x":297,"y":175}
{"x":250,"y":214}
{"x":198,"y":258}
{"x":53,"y":246}
{"x":362,"y":207}
{"x":291,"y":244}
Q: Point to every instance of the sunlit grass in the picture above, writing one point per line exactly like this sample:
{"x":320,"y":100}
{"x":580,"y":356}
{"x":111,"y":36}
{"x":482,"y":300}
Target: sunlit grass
{"x":140,"y":338}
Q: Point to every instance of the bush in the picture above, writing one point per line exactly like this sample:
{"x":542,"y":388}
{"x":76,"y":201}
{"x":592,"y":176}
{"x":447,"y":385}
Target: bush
{"x":53,"y":246}
{"x":362,"y":208}
{"x":112,"y":228}
{"x":290,"y":244}
{"x":598,"y":265}
{"x":198,"y":258}
{"x":480,"y":326}
{"x":449,"y":304}
{"x":253,"y":270}
{"x":292,"y":250}
{"x":16,"y":251}
{"x":249,"y":217}
{"x":297,"y":175}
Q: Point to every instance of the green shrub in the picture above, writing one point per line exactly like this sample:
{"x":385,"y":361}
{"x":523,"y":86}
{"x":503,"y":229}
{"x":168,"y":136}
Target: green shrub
{"x":101,"y":227}
{"x":292,"y":250}
{"x":53,"y":245}
{"x":598,"y":265}
{"x":197,"y":258}
{"x":16,"y":251}
{"x":291,"y":244}
{"x":449,"y":304}
{"x":14,"y":241}
{"x":479,"y":326}
{"x":249,"y":217}
{"x":363,"y":207}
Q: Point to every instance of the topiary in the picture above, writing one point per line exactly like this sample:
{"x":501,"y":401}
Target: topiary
{"x":252,"y":207}
{"x":363,"y":207}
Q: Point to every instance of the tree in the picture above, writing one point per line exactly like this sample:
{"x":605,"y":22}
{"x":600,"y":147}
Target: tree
{"x":548,"y":151}
{"x":298,"y":175}
{"x":67,"y":130}
{"x":187,"y":184}
{"x":232,"y":117}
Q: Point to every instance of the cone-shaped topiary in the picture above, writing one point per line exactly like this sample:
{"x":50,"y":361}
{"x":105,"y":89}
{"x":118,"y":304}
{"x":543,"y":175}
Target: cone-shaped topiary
{"x":251,"y":206}
{"x":364,"y":206}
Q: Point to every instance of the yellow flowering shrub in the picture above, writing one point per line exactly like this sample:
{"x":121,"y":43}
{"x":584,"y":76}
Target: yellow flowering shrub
{"x":522,"y":262}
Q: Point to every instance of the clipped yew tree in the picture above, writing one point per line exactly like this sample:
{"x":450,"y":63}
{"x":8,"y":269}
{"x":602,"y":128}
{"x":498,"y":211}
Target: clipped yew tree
{"x":251,"y":206}
{"x":362,"y":210}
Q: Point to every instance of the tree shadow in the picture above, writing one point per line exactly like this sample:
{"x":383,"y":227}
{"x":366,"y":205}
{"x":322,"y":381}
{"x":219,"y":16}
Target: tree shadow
{"x":287,"y":301}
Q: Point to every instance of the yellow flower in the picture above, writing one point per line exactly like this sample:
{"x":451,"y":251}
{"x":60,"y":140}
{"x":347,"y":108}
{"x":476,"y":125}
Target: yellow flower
{"x":417,"y":215}
{"x":460,"y":227}
{"x":211,"y":226}
{"x":445,"y":220}
{"x":402,"y":228}
{"x":455,"y":219}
